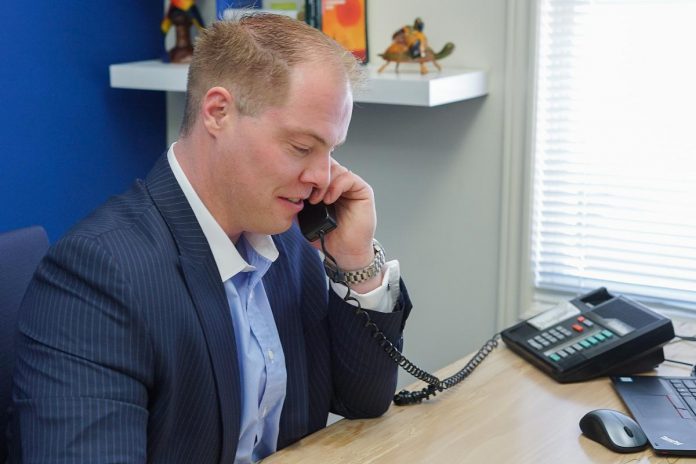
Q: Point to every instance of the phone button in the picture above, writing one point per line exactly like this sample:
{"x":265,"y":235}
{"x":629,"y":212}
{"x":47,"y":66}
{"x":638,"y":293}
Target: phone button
{"x":535,"y":345}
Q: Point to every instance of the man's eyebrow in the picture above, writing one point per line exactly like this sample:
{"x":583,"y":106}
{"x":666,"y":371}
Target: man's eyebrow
{"x":317,"y":137}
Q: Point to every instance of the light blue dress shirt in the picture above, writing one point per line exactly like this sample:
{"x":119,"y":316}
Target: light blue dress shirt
{"x":263,"y":376}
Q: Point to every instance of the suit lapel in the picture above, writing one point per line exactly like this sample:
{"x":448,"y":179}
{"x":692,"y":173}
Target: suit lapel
{"x":208,"y":295}
{"x":282,"y":298}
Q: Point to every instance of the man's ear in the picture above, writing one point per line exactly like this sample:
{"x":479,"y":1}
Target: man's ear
{"x":217,"y":109}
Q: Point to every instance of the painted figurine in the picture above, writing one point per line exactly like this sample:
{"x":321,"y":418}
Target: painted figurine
{"x":182,"y":14}
{"x":410,"y":45}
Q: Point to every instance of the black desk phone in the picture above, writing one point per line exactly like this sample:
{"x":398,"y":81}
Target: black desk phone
{"x":593,"y":335}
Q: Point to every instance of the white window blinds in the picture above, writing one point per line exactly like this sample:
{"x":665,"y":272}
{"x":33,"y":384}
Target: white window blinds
{"x":615,"y":148}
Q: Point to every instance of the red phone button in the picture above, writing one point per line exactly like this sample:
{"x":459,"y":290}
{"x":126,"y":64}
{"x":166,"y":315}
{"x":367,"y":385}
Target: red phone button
{"x":577,"y":327}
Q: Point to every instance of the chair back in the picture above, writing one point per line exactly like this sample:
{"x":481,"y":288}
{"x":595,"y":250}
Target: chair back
{"x":20,"y":253}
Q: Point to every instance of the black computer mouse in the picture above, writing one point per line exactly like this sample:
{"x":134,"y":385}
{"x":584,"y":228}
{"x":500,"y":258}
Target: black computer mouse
{"x":613,"y":429}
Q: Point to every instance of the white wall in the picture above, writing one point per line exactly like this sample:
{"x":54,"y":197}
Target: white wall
{"x":437,"y":174}
{"x":437,"y":177}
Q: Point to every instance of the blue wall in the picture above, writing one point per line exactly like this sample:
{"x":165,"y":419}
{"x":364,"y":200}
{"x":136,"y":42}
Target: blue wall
{"x":67,"y":140}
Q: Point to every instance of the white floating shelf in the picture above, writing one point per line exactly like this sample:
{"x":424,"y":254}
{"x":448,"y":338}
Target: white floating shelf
{"x":149,"y":75}
{"x":407,"y":87}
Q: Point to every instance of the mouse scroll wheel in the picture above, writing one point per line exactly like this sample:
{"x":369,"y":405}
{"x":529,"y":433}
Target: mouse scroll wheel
{"x":628,"y":431}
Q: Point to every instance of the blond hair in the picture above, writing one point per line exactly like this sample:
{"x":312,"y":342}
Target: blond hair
{"x":252,"y":58}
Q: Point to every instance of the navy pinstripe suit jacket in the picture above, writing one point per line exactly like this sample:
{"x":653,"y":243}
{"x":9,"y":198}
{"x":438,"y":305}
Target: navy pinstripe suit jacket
{"x":126,"y":350}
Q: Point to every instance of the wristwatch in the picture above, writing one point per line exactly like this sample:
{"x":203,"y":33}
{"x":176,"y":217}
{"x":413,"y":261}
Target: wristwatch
{"x":361,"y":275}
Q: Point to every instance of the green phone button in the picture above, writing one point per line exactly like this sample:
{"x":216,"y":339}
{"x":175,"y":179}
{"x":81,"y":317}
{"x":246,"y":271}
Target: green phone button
{"x":585,"y":343}
{"x":600,"y":337}
{"x":555,"y":357}
{"x":607,"y":333}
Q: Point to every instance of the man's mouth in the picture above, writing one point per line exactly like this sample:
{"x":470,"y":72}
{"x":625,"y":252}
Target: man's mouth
{"x":297,"y":201}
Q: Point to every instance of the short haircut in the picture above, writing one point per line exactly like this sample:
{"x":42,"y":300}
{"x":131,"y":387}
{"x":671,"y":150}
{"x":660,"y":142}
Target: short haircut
{"x":252,"y":57}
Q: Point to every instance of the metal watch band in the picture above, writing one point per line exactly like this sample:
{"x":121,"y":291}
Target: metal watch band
{"x":361,"y":275}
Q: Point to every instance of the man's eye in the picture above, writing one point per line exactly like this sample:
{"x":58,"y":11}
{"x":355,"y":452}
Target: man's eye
{"x":301,"y":150}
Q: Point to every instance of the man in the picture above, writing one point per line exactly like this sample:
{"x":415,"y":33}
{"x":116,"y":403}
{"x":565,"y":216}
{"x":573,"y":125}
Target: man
{"x":188,"y":320}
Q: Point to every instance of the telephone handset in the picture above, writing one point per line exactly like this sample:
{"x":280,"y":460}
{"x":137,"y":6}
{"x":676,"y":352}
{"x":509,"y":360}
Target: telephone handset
{"x":316,"y":219}
{"x":315,"y":222}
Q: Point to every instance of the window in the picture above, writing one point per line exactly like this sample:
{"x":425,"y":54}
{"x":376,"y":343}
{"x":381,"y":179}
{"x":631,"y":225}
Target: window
{"x":614,"y":149}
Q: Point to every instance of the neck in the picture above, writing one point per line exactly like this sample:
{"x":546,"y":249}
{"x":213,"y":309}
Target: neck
{"x":192,"y":154}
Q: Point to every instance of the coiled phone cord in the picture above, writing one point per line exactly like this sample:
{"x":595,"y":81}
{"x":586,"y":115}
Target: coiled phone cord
{"x":435,"y":385}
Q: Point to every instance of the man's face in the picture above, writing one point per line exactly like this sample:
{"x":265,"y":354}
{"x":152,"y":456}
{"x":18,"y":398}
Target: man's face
{"x":268,"y":163}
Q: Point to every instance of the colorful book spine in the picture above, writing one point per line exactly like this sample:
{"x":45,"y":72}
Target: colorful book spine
{"x":313,"y":13}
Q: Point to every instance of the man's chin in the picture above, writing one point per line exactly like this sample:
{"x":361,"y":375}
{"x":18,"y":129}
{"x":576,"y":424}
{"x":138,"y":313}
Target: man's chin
{"x":277,"y":228}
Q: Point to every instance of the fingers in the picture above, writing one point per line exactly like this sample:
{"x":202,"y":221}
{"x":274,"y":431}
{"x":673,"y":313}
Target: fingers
{"x":355,"y":212}
{"x":343,"y":183}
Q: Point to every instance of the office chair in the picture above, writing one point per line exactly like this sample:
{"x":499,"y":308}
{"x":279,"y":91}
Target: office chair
{"x":20,"y":253}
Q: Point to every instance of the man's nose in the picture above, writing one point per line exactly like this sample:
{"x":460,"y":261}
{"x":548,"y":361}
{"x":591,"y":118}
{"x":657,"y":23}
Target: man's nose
{"x":318,"y":172}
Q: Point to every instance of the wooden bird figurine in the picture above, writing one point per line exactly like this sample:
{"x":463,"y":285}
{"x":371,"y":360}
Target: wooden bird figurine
{"x":410,"y":45}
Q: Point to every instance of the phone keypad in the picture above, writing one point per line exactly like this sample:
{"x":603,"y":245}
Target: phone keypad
{"x":593,"y":340}
{"x":581,"y":335}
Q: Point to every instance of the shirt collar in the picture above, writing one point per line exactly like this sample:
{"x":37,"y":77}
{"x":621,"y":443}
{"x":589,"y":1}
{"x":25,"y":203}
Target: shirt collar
{"x":227,"y":258}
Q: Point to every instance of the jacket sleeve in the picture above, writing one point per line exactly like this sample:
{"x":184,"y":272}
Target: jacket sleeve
{"x":83,"y":362}
{"x":364,"y":375}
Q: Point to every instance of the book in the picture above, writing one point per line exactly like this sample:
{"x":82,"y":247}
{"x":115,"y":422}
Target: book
{"x":345,"y":21}
{"x":313,"y":13}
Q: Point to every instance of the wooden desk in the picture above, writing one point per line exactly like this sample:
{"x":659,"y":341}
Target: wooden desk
{"x":507,"y":411}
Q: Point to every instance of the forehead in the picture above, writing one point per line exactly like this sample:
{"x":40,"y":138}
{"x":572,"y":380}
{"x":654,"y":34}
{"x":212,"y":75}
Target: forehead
{"x":319,"y":104}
